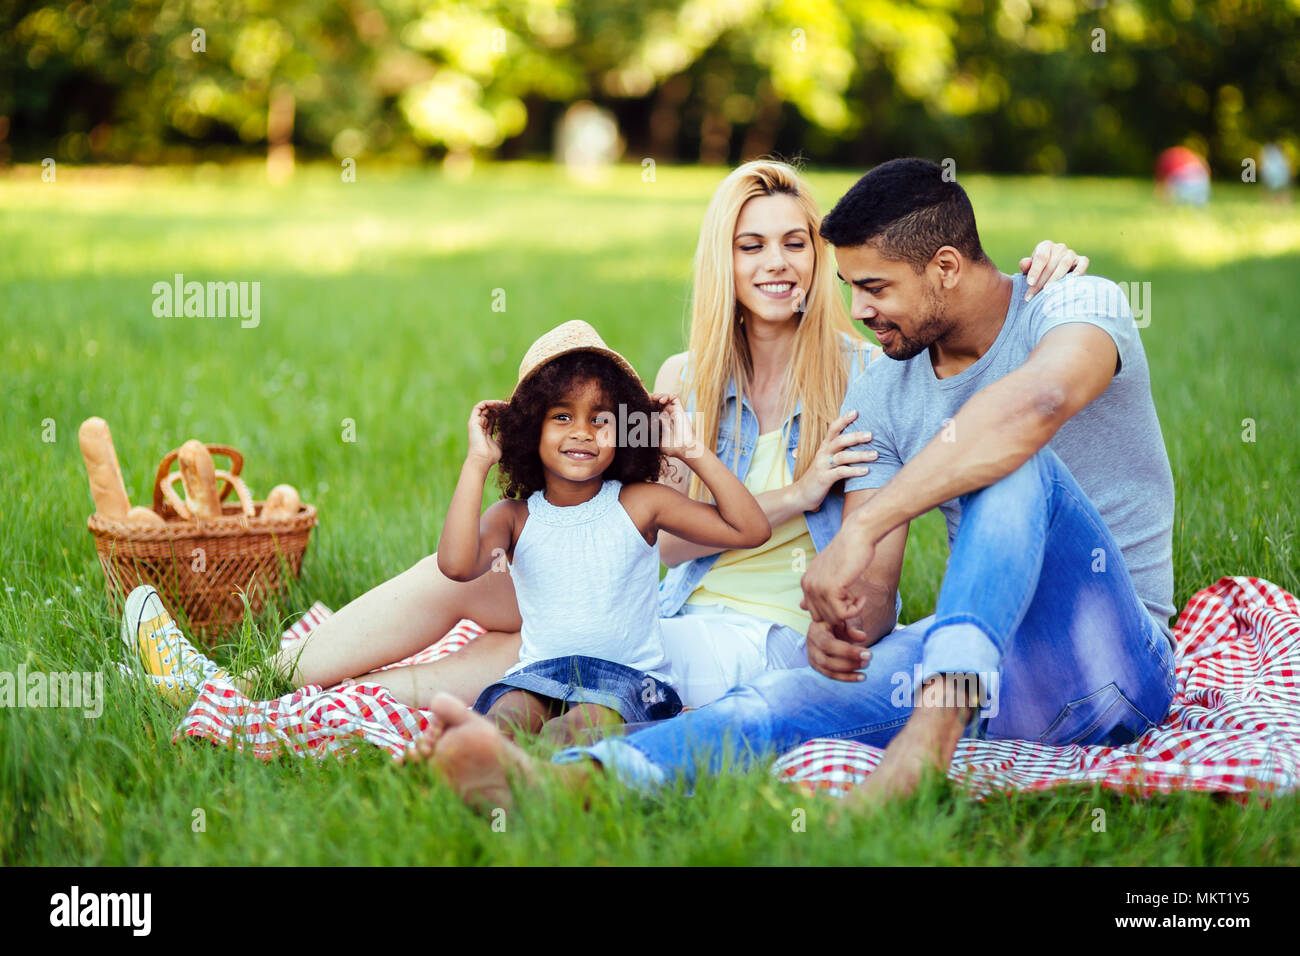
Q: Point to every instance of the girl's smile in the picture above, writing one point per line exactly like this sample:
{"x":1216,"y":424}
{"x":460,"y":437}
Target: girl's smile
{"x":578,"y":436}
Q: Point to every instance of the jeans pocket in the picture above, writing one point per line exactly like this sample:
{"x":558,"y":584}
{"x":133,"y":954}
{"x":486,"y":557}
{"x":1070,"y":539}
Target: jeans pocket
{"x":1105,"y":717}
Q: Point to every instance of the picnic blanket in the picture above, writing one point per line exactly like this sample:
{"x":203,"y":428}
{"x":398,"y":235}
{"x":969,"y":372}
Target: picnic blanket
{"x":1233,"y":727}
{"x":314,"y":721}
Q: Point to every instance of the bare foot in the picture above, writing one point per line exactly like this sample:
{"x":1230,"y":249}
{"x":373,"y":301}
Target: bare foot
{"x":924,"y":745}
{"x":472,"y":755}
{"x":420,"y":750}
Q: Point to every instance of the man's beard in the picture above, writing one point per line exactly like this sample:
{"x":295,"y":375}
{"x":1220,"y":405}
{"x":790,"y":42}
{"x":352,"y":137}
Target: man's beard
{"x":927,"y":332}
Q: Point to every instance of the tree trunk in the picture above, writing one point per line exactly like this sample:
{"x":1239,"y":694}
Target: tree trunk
{"x":666,"y":118}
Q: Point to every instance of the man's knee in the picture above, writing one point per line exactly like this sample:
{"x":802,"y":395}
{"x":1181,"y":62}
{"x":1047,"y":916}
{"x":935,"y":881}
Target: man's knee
{"x":771,"y":688}
{"x":1028,"y":482}
{"x":741,"y":713}
{"x":780,"y":695}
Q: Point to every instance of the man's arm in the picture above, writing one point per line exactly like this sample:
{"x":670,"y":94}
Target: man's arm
{"x":998,"y":429}
{"x":837,"y":649}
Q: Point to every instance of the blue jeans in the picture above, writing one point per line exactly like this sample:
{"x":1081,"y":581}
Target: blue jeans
{"x":1036,"y":601}
{"x":633,"y":694}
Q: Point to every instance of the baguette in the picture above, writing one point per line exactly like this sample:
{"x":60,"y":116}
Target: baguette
{"x":102,"y":469}
{"x":199,"y":478}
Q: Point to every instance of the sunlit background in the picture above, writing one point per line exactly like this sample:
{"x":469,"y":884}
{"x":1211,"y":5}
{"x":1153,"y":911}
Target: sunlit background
{"x":420,"y":188}
{"x":1041,"y":86}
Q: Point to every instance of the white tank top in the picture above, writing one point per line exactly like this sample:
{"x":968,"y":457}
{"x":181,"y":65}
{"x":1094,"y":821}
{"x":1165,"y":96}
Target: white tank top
{"x":588,"y":584}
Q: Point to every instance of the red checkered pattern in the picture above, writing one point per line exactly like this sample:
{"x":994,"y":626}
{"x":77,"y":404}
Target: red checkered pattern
{"x":313,"y":721}
{"x":1234,"y":725}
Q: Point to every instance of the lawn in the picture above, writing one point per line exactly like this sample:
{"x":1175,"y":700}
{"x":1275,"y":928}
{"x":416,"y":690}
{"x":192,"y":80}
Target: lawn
{"x":377,"y":307}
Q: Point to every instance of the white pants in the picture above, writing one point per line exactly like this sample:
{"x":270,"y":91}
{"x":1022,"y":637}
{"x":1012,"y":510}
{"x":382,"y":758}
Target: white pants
{"x":712,"y":649}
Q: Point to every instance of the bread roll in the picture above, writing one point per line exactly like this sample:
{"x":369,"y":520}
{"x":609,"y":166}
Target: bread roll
{"x":282,"y":502}
{"x":102,"y":469}
{"x":199,"y":478}
{"x":142,"y":515}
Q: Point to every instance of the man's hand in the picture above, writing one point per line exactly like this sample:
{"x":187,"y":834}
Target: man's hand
{"x":838,"y":651}
{"x":830,"y":578}
{"x":850,"y":590}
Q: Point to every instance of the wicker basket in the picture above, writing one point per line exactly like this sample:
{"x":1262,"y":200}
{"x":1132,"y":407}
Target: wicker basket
{"x":203,"y":568}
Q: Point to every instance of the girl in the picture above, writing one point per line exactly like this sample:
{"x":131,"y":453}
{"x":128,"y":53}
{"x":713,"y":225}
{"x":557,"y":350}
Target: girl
{"x":578,"y":524}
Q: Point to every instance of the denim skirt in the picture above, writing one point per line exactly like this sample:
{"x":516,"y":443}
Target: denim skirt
{"x":634,"y":694}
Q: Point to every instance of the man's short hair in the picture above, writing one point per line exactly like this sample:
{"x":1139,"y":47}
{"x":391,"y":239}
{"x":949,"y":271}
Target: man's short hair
{"x":908,"y":211}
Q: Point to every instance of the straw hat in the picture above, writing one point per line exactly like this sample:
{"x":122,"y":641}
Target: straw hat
{"x":574,"y":336}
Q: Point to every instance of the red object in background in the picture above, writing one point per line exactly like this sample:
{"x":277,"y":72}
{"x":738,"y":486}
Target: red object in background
{"x":1179,"y":161}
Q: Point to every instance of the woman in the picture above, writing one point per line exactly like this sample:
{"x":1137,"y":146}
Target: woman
{"x":771,"y":353}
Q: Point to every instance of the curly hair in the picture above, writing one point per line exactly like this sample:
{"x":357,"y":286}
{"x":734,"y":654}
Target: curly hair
{"x":518,"y":424}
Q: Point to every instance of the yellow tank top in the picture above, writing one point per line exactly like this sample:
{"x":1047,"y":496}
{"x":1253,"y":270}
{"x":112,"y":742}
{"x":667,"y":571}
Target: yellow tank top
{"x":764,"y":581}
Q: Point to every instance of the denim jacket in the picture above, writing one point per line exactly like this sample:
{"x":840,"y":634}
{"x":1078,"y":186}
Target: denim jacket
{"x":823,"y":523}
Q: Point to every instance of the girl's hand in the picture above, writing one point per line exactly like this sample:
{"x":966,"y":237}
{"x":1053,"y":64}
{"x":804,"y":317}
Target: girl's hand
{"x":482,"y":446}
{"x":834,"y":463}
{"x":1051,"y":261}
{"x":676,"y":436}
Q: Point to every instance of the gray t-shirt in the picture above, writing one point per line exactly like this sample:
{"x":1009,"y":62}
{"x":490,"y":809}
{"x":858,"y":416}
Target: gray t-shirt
{"x":1113,"y":447}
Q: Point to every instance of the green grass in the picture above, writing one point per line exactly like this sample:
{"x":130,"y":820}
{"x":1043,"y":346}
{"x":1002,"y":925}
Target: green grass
{"x":376,"y":307}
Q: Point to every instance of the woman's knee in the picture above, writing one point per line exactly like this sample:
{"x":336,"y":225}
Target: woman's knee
{"x":494,"y":649}
{"x":489,"y":600}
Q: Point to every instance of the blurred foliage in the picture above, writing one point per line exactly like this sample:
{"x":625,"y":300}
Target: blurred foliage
{"x":1015,"y":85}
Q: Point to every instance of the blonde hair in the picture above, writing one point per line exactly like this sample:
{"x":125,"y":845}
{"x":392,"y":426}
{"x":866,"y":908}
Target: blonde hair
{"x":719,"y":350}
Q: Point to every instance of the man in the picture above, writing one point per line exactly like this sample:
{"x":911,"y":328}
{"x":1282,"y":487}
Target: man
{"x":1031,"y":426}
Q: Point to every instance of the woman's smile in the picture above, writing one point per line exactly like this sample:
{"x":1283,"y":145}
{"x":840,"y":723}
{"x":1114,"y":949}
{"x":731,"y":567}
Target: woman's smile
{"x":777,"y":290}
